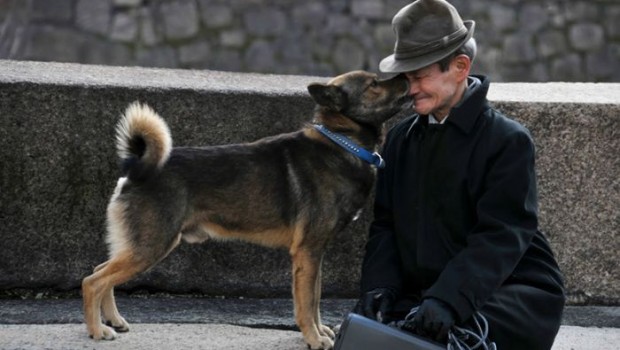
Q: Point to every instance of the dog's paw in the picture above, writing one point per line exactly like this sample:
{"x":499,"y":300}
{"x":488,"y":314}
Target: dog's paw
{"x":119,"y":325}
{"x":326,"y":331}
{"x":103,"y":332}
{"x":321,"y":343}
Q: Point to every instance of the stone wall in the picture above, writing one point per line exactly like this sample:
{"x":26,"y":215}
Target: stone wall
{"x":519,"y":40}
{"x":58,"y":168}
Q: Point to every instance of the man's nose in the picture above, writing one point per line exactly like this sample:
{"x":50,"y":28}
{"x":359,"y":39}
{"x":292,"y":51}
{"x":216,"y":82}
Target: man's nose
{"x":414,"y":86}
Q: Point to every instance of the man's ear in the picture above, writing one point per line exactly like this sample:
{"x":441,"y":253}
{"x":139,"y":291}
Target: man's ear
{"x":462,"y":63}
{"x":330,"y":96}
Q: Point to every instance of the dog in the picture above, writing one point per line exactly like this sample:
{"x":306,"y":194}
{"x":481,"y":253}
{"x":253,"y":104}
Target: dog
{"x":294,"y":190}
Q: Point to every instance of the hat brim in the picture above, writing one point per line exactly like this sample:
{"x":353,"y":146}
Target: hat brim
{"x":391,"y":67}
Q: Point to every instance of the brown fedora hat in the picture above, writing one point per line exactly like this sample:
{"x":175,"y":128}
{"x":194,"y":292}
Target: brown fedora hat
{"x":426,"y":31}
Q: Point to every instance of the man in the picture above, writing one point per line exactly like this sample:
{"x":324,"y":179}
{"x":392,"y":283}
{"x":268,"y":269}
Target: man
{"x":455,"y":228}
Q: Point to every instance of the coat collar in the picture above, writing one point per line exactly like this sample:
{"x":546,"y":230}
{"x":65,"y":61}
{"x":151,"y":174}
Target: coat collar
{"x":465,"y":114}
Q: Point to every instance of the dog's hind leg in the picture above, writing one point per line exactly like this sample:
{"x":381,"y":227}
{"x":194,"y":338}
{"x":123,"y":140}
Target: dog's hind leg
{"x":111,"y":316}
{"x":95,"y":287}
{"x":306,"y":266}
{"x":98,"y":289}
{"x":110,"y":313}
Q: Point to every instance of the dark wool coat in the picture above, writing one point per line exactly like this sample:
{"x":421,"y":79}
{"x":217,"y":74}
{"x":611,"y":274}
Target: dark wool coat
{"x":456,"y":211}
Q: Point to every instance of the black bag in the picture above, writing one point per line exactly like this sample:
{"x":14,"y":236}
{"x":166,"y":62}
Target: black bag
{"x":361,"y":333}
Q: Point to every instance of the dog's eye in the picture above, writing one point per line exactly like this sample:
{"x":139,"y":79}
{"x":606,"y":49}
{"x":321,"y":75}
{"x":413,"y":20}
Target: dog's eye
{"x":374,"y":83}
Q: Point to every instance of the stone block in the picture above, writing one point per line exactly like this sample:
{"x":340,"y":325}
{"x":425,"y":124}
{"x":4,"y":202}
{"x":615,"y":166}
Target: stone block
{"x":339,"y":24}
{"x":367,"y":9}
{"x":348,"y":55}
{"x":612,"y":22}
{"x":215,"y":15}
{"x":586,"y":36}
{"x":58,"y":167}
{"x":519,"y":48}
{"x":569,"y":67}
{"x":615,"y":50}
{"x":551,"y":43}
{"x":578,"y":11}
{"x":197,"y":52}
{"x":234,"y":38}
{"x":502,"y":17}
{"x":128,"y":3}
{"x":384,"y":37}
{"x":265,"y":21}
{"x":391,"y":7}
{"x":180,"y":19}
{"x":260,"y":56}
{"x":487,"y":62}
{"x":525,"y":72}
{"x":149,"y":36}
{"x":94,"y":16}
{"x":57,"y":150}
{"x":226,"y":60}
{"x":50,"y":43}
{"x":533,"y":17}
{"x":161,"y":56}
{"x":55,"y":11}
{"x":124,"y":27}
{"x":104,"y":52}
{"x":599,"y":65}
{"x":310,"y":14}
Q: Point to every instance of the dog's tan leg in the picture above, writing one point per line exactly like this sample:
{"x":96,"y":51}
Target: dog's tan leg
{"x":306,"y":268}
{"x":98,"y":291}
{"x":110,"y":312}
{"x":323,"y":330}
{"x":98,"y":285}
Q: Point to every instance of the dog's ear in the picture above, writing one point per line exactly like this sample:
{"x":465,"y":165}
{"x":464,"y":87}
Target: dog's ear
{"x":330,"y":96}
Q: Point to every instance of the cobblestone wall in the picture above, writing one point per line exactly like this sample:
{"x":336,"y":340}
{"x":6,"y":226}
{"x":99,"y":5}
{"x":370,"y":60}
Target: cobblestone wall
{"x":519,"y":40}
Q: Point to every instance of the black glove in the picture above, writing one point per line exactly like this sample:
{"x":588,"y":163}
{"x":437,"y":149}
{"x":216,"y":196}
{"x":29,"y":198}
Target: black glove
{"x":434,"y":319}
{"x":376,"y":303}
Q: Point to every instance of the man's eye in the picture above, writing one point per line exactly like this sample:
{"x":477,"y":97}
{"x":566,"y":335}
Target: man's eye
{"x":423,"y":75}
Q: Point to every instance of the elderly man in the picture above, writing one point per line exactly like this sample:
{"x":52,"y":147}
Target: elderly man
{"x":456,"y":228}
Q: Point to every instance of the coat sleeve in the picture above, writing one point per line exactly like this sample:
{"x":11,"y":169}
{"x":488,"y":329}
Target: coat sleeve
{"x":381,"y":265}
{"x":506,"y":210}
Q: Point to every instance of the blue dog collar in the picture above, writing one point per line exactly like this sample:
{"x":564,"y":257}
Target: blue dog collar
{"x":373,"y":158}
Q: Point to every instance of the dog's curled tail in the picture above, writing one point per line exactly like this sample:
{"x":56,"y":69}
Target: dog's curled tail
{"x":143,"y":141}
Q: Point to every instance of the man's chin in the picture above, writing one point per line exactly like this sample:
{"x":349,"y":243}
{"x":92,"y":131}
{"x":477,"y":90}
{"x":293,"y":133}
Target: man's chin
{"x":421,"y":110}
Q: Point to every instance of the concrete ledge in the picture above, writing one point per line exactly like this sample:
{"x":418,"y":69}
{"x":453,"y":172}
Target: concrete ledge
{"x":58,"y":168}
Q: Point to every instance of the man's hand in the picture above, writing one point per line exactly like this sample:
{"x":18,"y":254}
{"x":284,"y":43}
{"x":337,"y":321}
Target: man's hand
{"x":376,"y":303}
{"x":434,"y":318}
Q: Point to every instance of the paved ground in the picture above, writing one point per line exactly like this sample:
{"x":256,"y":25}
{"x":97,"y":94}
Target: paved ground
{"x":197,"y":323}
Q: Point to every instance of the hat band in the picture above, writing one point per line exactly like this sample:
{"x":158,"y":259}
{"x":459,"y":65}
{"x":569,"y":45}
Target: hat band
{"x":419,"y":50}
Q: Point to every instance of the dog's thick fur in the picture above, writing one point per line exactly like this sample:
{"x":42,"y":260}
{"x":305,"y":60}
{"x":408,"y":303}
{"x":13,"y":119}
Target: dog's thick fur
{"x":294,"y":190}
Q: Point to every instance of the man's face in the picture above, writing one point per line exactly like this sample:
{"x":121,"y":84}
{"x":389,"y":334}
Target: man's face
{"x":434,"y":92}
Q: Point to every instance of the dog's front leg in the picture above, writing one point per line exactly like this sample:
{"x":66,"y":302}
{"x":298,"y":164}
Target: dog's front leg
{"x":306,"y":266}
{"x":323,"y":329}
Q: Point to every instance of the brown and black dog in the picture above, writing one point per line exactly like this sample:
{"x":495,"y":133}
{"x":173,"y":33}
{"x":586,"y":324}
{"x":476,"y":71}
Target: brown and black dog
{"x":294,"y":190}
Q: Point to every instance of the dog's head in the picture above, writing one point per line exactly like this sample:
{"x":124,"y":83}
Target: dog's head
{"x":362,"y":97}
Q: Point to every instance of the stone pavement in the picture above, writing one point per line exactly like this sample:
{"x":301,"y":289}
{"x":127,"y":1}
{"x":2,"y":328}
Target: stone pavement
{"x":201,"y":323}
